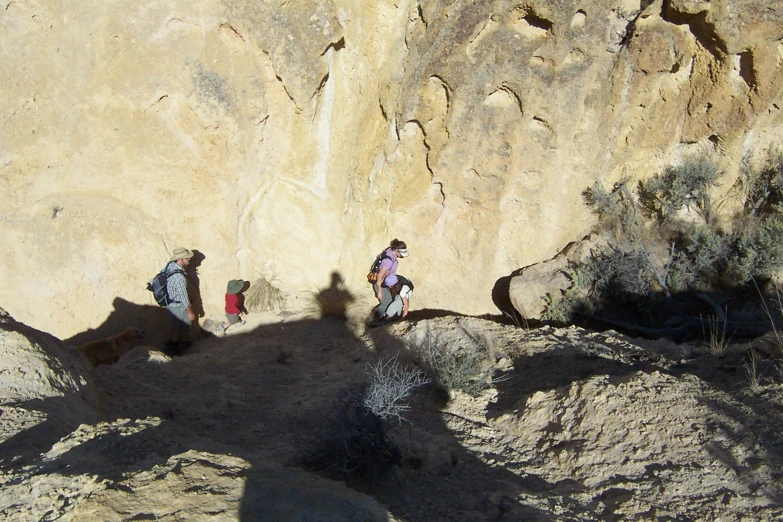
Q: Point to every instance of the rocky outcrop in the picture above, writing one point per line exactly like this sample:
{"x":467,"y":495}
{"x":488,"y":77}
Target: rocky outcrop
{"x":529,"y":286}
{"x":46,"y":391}
{"x":572,"y":425}
{"x":58,"y":461}
{"x":268,"y":135}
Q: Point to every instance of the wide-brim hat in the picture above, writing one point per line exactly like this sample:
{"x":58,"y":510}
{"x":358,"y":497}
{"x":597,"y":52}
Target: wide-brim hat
{"x":235,"y":286}
{"x":180,"y":253}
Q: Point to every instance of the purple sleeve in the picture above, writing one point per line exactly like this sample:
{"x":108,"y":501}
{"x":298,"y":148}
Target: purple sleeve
{"x":387,"y":263}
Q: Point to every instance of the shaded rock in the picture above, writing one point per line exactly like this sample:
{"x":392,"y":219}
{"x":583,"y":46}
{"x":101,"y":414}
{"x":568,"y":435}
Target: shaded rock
{"x":46,"y":391}
{"x":530,"y":286}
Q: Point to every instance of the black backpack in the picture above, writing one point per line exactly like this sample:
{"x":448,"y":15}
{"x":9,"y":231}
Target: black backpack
{"x":158,"y":286}
{"x":372,"y":275}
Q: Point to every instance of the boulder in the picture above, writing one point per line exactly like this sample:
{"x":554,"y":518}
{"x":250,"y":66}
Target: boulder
{"x":529,"y":287}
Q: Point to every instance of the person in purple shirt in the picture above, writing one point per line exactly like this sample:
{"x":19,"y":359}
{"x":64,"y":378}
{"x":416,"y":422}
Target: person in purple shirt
{"x":387,"y":275}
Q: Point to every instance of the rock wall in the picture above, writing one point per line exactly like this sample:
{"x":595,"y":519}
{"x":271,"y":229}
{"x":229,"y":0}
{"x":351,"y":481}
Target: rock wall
{"x":288,"y":140}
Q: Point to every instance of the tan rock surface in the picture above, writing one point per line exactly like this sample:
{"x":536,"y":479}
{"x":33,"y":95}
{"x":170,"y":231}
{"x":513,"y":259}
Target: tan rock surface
{"x":46,"y":391}
{"x":579,"y":425}
{"x":287,"y":140}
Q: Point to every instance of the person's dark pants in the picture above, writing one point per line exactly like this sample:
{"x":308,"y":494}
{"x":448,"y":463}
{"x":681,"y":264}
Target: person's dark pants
{"x":181,"y":322}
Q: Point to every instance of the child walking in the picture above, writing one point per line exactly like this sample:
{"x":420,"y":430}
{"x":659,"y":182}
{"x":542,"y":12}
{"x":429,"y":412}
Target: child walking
{"x":233,"y":305}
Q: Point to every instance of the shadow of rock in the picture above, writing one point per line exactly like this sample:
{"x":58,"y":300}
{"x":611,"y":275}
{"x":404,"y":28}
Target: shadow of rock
{"x":154,"y":320}
{"x":502,"y":299}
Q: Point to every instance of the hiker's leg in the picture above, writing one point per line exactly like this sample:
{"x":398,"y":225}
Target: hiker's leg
{"x":379,"y":312}
{"x":181,"y":324}
{"x":231,"y":320}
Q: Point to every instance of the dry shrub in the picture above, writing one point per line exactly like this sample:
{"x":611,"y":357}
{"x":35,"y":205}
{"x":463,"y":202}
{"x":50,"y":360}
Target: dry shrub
{"x":715,"y":335}
{"x":469,"y":367}
{"x":390,"y":384}
{"x":262,"y":296}
{"x":351,"y":443}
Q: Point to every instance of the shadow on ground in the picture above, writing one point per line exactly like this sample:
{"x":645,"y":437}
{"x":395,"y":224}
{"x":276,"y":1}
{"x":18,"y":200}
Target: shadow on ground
{"x":253,"y":395}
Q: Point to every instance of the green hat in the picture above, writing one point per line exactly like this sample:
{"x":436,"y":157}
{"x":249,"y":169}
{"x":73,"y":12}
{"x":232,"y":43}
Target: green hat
{"x":180,"y":253}
{"x":235,"y":286}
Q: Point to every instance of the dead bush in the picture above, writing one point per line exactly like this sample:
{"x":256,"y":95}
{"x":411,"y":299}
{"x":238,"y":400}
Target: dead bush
{"x":352,"y":443}
{"x":390,"y":384}
{"x":263,"y":296}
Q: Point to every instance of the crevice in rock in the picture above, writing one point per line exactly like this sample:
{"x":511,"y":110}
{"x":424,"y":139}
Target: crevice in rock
{"x":383,"y":111}
{"x":482,"y":33}
{"x":420,"y":12}
{"x":504,"y":96}
{"x":746,"y":71}
{"x":446,"y":89}
{"x":702,"y":30}
{"x":282,"y":83}
{"x":528,"y":16}
{"x":424,"y":141}
{"x":578,"y":21}
{"x":339,"y":45}
{"x":576,"y":57}
{"x":160,"y":99}
{"x":442,"y":192}
{"x":320,"y":88}
{"x":541,"y":127}
{"x":225,"y":26}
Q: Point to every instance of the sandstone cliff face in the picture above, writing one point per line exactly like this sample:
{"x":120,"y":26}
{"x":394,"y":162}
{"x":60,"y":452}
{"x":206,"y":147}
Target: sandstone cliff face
{"x":288,"y":140}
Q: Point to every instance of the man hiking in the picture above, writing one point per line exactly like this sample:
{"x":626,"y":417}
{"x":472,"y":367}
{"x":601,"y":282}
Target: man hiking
{"x":180,"y":305}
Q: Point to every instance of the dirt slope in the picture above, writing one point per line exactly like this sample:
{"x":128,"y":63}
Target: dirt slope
{"x":579,"y":426}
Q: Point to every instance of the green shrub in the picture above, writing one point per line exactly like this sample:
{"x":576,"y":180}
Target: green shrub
{"x":758,"y":251}
{"x":565,"y":308}
{"x":662,"y":253}
{"x":615,"y":209}
{"x":469,"y":368}
{"x":685,"y":185}
{"x":708,"y":252}
{"x":764,"y":187}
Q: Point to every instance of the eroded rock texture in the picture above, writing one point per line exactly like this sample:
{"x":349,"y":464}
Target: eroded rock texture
{"x":288,"y":140}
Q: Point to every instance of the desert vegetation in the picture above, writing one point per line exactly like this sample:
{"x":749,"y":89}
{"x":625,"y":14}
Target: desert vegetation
{"x":356,"y":440}
{"x":678,"y":261}
{"x":468,"y":367}
{"x":353,"y":442}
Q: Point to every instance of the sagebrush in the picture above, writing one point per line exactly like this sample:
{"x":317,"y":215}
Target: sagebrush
{"x":671,"y":238}
{"x":469,"y":367}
